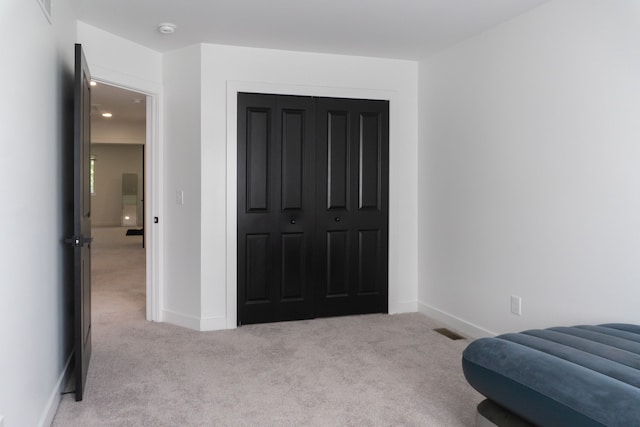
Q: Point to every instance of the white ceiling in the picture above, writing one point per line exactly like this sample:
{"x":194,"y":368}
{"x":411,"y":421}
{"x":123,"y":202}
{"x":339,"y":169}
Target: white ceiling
{"x":403,"y":29}
{"x":122,"y":103}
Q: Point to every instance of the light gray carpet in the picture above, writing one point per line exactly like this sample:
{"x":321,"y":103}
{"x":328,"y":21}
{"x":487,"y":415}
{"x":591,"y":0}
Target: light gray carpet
{"x":374,"y":370}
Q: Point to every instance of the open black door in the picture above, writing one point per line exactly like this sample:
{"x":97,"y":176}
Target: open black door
{"x":81,"y":239}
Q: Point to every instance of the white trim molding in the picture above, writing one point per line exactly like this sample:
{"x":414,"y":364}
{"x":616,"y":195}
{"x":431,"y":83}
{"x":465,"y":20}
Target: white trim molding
{"x":53,"y":402}
{"x":212,"y":323}
{"x":181,"y":319}
{"x":403,"y":307}
{"x":194,"y":322}
{"x":466,"y":328}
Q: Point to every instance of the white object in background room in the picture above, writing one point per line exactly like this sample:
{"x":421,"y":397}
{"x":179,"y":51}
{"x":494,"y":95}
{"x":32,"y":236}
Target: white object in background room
{"x":129,"y":199}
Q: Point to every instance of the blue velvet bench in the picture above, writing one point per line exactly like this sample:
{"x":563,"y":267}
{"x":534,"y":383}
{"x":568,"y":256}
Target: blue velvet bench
{"x":567,"y":376}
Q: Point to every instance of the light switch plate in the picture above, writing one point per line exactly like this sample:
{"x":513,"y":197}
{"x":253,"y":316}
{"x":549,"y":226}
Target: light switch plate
{"x":516,"y":305}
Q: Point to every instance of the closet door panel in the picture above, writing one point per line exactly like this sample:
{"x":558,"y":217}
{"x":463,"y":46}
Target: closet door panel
{"x":353,"y":147}
{"x":276,"y":213}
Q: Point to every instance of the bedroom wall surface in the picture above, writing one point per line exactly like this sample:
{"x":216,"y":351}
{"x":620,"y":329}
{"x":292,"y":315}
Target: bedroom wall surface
{"x":225,"y":69}
{"x":35,"y":292}
{"x":118,"y":132}
{"x":182,"y":219}
{"x":529,"y":180}
{"x":111,"y":57}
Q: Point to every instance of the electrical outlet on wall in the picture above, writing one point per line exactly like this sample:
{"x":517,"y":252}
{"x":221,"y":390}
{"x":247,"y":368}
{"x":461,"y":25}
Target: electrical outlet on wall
{"x":516,"y":305}
{"x":179,"y":197}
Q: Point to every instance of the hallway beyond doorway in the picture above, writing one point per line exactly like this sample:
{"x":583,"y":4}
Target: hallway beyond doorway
{"x":118,"y":275}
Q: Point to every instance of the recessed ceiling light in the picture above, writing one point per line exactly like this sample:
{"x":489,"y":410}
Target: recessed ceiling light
{"x":107,"y":115}
{"x":92,"y":83}
{"x":167,"y":28}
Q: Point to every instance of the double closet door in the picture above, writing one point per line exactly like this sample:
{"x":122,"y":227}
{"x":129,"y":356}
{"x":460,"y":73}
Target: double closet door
{"x":313,"y":192}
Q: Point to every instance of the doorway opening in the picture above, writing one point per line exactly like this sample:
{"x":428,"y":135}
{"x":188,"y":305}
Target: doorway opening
{"x":118,"y":140}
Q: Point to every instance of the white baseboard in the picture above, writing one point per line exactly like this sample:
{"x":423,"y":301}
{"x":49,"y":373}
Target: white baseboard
{"x":180,"y":319}
{"x":213,"y":323}
{"x":462,"y":326}
{"x":193,"y":322}
{"x":54,"y":399}
{"x":403,"y":307}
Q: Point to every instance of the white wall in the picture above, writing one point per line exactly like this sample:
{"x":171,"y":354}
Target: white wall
{"x":35,"y":291}
{"x":530,"y":177}
{"x":227,"y":70}
{"x":111,"y":161}
{"x":110,"y":131}
{"x":115,"y":59}
{"x":182,"y":122}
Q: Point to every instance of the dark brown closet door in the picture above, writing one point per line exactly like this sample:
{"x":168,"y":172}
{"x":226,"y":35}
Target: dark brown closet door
{"x":276,"y":207}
